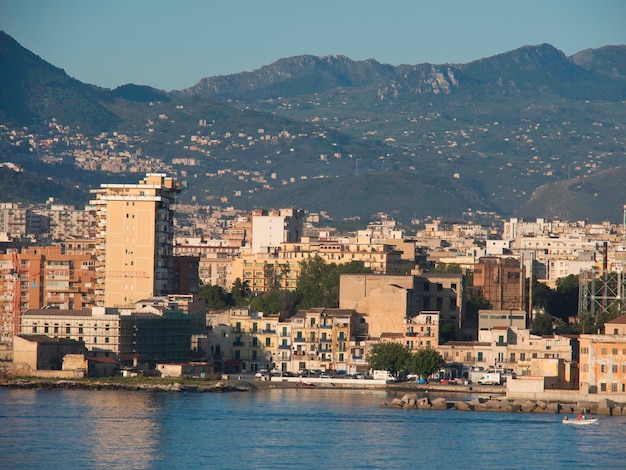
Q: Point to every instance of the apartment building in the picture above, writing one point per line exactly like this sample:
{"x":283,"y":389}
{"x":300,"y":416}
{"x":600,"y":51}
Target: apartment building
{"x":388,"y":301}
{"x":603,"y":359}
{"x":134,"y":257}
{"x":40,"y":277}
{"x":98,"y":329}
{"x":422,"y":331}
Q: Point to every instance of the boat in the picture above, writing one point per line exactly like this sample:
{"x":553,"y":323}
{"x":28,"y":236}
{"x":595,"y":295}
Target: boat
{"x":581,"y":422}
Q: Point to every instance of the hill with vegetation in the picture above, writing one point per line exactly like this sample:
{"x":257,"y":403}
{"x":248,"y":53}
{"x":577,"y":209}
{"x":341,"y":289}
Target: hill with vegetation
{"x":497,"y":137}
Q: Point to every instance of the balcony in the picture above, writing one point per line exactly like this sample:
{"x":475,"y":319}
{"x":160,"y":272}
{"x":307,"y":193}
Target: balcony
{"x":327,"y":327}
{"x":299,"y":340}
{"x":237,"y":343}
{"x":284,"y":346}
{"x":269,"y":332}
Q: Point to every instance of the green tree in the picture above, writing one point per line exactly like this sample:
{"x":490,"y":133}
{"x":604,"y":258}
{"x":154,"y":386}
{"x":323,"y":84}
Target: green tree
{"x":279,"y":301}
{"x":425,"y":362}
{"x":389,"y":356}
{"x":564,"y":301}
{"x":447,"y":268}
{"x":542,"y":324}
{"x":240,"y":292}
{"x":216,"y":298}
{"x":318,"y":284}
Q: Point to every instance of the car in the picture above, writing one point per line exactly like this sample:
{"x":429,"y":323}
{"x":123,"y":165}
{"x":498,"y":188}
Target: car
{"x":262,"y":373}
{"x":324,"y":376}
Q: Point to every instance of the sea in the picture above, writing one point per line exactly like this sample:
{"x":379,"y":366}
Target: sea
{"x":286,"y":428}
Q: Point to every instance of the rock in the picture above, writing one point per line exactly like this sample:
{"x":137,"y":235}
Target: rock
{"x":529,"y":406}
{"x":553,"y":408}
{"x":605,"y":411}
{"x":397,"y":403}
{"x":409,"y":396}
{"x":463,"y":406}
{"x":440,"y":404}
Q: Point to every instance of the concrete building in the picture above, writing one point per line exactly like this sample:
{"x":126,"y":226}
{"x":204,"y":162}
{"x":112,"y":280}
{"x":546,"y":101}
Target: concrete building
{"x":499,"y":280}
{"x":422,"y":331}
{"x":135,"y":240}
{"x":40,"y":352}
{"x":603,"y":359}
{"x":96,"y":329}
{"x":271,"y":229}
{"x":387,"y":301}
{"x":40,"y":277}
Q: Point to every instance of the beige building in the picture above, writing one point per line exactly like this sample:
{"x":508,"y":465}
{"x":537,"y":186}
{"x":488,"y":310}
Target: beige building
{"x":603,"y":359}
{"x":422,"y":331}
{"x":40,"y":352}
{"x":135,"y":240}
{"x":388,"y":301}
{"x":97,"y":330}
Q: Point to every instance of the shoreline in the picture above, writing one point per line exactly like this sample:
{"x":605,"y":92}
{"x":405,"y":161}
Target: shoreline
{"x":415,"y":397}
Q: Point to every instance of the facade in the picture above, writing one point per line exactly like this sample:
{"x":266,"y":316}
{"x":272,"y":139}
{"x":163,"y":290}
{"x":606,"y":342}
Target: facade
{"x":271,"y":229}
{"x":40,"y":352}
{"x":422,"y":331}
{"x":388,"y":301}
{"x":40,"y":277}
{"x":98,"y":330}
{"x":499,"y":280}
{"x":135,"y":240}
{"x":603,"y":359}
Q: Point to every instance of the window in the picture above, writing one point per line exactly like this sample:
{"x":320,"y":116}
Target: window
{"x":614,"y":369}
{"x":603,"y":387}
{"x":268,"y":342}
{"x":584,"y":350}
{"x":603,"y":368}
{"x":585,"y":368}
{"x":614,"y":387}
{"x":341,"y":357}
{"x":106,"y":340}
{"x":603,"y":350}
{"x":614,"y":351}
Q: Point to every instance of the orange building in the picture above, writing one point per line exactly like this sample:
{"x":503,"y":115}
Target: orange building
{"x":603,"y":359}
{"x":43,"y":277}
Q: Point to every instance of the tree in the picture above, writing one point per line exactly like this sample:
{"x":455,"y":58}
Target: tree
{"x":318,"y":283}
{"x":283,"y":302}
{"x":389,"y":356}
{"x":425,"y":362}
{"x":447,"y":268}
{"x":216,"y":298}
{"x":542,"y":324}
{"x":240,"y":291}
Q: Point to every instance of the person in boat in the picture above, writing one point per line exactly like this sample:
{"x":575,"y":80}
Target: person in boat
{"x":565,"y":418}
{"x":580,"y":417}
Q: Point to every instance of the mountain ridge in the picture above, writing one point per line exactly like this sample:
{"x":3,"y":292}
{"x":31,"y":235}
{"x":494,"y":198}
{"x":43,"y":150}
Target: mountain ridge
{"x":358,"y":136}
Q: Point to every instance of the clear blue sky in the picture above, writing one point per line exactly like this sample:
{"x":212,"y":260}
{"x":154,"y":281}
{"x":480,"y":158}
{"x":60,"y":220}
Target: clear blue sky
{"x":173,"y":44}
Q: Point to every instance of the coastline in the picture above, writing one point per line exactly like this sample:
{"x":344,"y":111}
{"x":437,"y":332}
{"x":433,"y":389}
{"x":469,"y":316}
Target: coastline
{"x":415,"y":397}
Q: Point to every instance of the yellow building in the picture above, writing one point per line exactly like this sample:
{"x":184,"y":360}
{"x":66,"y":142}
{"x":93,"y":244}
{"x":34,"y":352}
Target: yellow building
{"x":254,"y":344}
{"x":603,"y":359}
{"x":135,"y":240}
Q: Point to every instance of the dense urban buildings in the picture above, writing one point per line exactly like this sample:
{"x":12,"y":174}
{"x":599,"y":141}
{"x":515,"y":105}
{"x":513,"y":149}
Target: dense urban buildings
{"x":117,"y":285}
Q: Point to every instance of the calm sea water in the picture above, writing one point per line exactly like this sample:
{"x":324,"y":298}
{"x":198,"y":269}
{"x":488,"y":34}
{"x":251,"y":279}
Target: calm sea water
{"x":304,"y":429}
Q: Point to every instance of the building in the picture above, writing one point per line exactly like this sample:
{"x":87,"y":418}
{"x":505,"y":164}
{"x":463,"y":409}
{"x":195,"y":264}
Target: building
{"x":603,"y":359}
{"x":135,"y":240}
{"x":40,"y":352}
{"x":96,"y":329}
{"x":39,"y":277}
{"x":499,"y":280}
{"x":271,"y":229}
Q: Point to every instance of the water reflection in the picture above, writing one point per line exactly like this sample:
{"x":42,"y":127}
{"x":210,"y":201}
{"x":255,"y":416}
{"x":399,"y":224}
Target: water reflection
{"x":79,"y":428}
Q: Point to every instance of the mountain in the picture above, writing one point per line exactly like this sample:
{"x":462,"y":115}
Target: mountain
{"x":485,"y":139}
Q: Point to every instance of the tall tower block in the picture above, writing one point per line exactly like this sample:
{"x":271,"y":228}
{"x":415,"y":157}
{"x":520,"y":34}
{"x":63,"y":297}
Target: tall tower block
{"x":135,"y":232}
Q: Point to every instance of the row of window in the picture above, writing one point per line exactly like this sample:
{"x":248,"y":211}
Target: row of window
{"x":604,"y":351}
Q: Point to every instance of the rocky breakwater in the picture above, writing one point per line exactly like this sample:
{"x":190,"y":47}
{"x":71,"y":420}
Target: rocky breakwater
{"x":148,"y":386}
{"x":604,"y":407}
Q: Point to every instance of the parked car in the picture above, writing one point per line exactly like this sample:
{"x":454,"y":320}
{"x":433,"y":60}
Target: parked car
{"x":262,"y":373}
{"x":324,"y":376}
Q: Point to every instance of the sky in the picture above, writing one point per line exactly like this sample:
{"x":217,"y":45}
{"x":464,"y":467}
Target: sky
{"x":171,"y":45}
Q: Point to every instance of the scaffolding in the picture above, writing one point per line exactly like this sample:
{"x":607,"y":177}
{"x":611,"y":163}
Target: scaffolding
{"x":600,"y":294}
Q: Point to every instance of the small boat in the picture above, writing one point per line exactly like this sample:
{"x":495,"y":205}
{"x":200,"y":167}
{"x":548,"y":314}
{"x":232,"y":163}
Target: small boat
{"x":581,"y":422}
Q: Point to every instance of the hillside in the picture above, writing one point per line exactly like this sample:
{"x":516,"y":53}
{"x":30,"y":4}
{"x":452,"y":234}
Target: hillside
{"x":354,"y":138}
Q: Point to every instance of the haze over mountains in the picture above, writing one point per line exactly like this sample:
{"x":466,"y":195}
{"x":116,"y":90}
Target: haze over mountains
{"x":528,"y":133}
